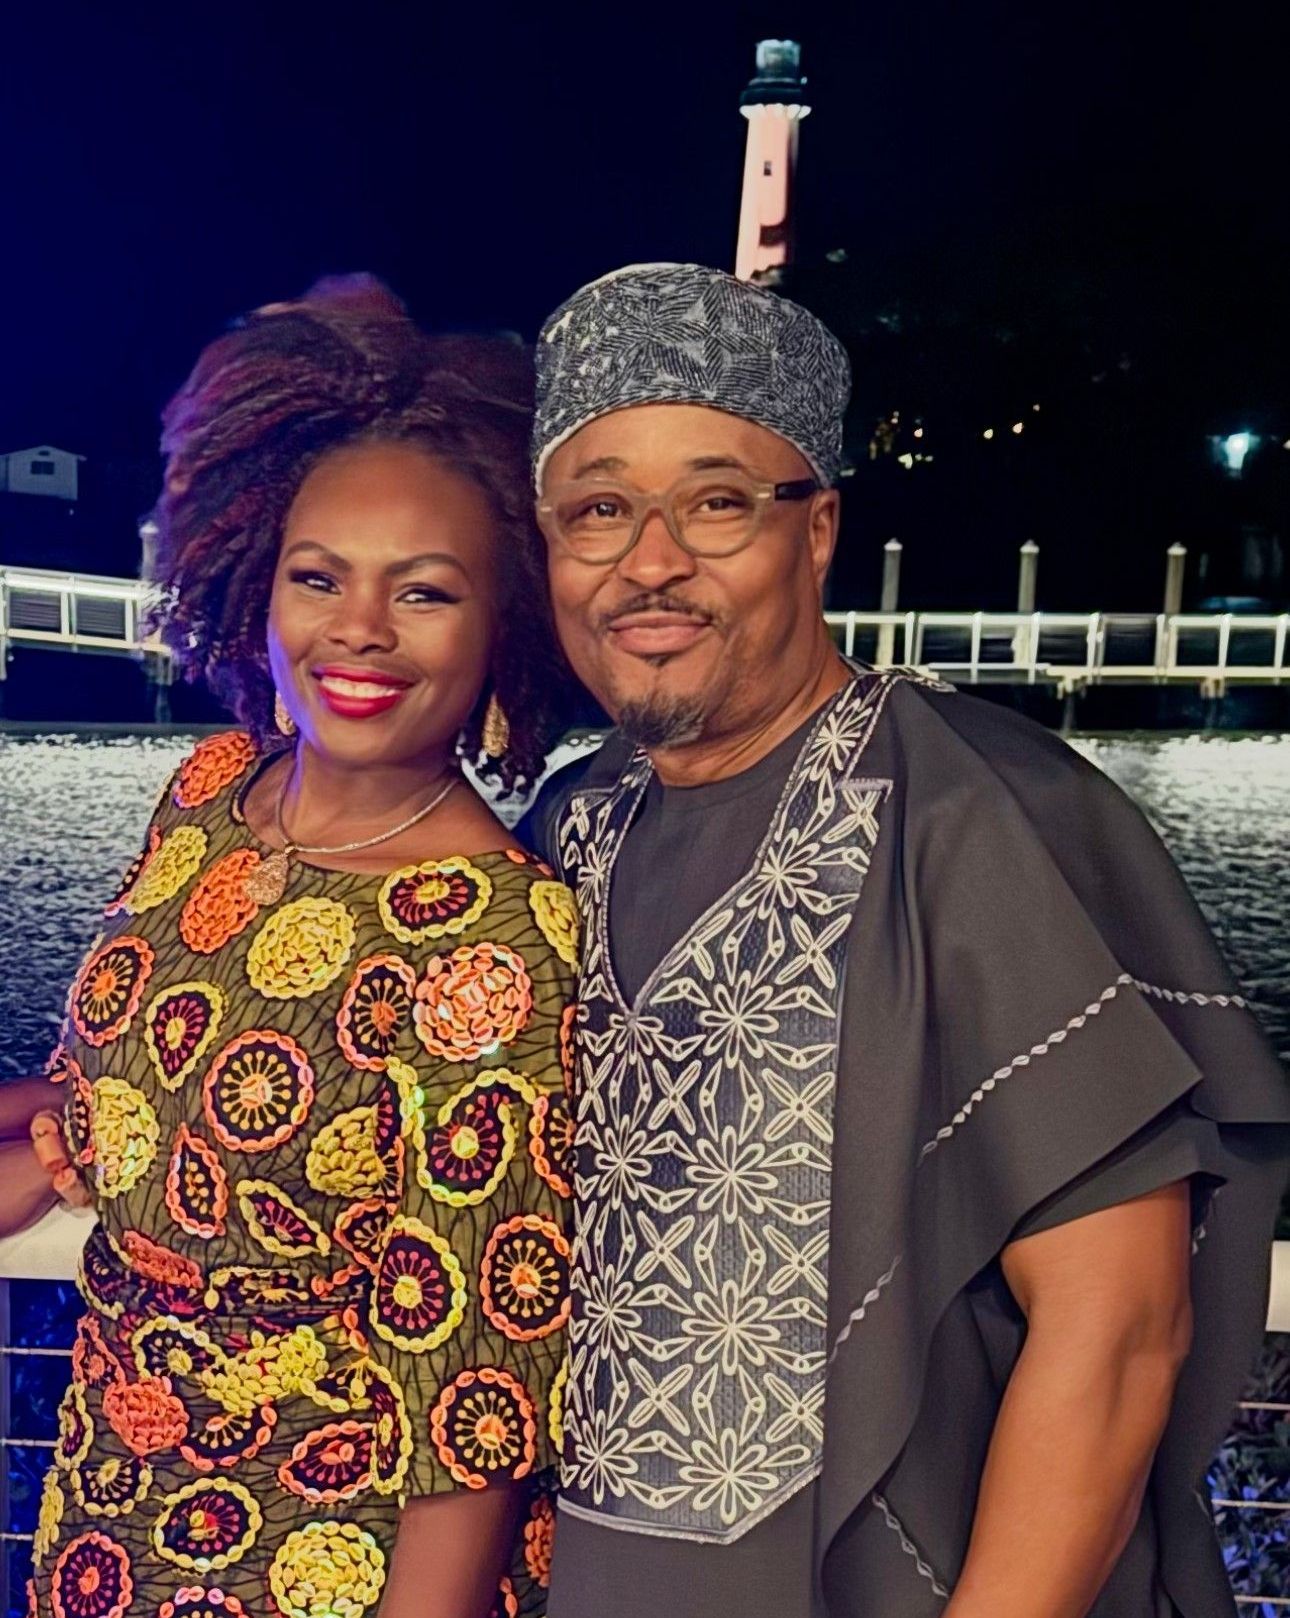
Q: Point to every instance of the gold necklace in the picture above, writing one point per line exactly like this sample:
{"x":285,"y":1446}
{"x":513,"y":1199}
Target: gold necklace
{"x":267,"y":882}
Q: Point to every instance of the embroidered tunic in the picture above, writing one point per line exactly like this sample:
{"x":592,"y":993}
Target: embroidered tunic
{"x":1035,"y":1024}
{"x":329,"y":1140}
{"x":705,"y":1130}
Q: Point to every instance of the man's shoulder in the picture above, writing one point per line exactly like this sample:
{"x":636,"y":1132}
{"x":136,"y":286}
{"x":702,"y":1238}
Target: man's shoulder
{"x":599,"y":764}
{"x":940,"y":732}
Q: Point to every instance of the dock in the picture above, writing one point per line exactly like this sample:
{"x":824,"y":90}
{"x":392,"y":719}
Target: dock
{"x":1067,"y":651}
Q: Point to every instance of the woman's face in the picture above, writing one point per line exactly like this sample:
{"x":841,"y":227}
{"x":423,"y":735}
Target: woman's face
{"x":382,"y":611}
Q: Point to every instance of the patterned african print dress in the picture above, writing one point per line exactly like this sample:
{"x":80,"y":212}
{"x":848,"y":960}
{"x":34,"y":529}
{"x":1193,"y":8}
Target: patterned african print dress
{"x":330,"y":1146}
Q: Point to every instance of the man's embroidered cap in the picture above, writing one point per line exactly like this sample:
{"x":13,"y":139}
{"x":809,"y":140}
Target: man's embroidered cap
{"x":683,"y":334}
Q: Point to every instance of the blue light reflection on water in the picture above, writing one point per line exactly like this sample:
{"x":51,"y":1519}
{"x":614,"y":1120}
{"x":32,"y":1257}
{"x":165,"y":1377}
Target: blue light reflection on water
{"x":73,"y":811}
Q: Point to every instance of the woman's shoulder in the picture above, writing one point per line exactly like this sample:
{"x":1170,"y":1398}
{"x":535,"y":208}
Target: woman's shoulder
{"x":216,"y":764}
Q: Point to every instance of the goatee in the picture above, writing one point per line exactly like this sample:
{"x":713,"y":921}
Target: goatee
{"x":661,"y":721}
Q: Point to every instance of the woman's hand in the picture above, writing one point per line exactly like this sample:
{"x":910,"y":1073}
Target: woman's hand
{"x":51,"y":1154}
{"x":26,"y":1193}
{"x":21,"y":1100}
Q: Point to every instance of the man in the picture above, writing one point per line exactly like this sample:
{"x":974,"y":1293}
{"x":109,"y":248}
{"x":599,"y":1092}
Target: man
{"x":924,"y":1184}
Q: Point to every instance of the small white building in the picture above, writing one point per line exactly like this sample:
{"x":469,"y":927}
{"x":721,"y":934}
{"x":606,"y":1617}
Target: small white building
{"x":43,"y":470}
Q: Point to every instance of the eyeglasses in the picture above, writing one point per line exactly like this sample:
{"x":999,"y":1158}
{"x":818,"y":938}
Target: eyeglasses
{"x":708,"y":514}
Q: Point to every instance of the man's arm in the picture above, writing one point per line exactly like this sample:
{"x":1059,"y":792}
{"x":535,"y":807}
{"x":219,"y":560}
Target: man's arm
{"x":1108,"y":1313}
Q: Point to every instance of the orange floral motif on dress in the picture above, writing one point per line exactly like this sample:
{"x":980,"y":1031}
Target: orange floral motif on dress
{"x":484,"y":1427}
{"x":93,"y":1362}
{"x":157,"y":1263}
{"x":147,"y":1416}
{"x":539,"y":1540}
{"x":375,"y":1010}
{"x":215,"y":763}
{"x":219,"y":907}
{"x":92,"y":1578}
{"x":472,"y":1002}
{"x":196,"y":1185}
{"x":334,"y":1463}
{"x":552,"y":1142}
{"x":524,"y":1278}
{"x":258,"y":1090}
{"x":568,"y":1022}
{"x":109,"y":987}
{"x":191,"y":1601}
{"x":506,"y":1604}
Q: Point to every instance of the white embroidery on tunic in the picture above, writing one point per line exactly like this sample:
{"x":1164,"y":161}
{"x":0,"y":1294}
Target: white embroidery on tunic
{"x":705,"y":1120}
{"x":907,"y":1545}
{"x":1126,"y":980}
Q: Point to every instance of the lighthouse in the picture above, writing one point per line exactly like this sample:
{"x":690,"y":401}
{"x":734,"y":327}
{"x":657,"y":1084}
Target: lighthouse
{"x":774,"y":105}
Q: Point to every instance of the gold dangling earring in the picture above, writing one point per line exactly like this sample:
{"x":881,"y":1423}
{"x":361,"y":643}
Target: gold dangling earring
{"x":281,"y":716}
{"x":496,"y":735}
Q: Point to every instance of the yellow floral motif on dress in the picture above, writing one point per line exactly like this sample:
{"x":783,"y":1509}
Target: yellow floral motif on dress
{"x":418,"y":1297}
{"x":327,"y":1570}
{"x":169,"y":869}
{"x":411,"y":1095}
{"x":265,"y":1372}
{"x":555,"y":1408}
{"x":301,"y":949}
{"x":190,"y":1347}
{"x":75,"y":1429}
{"x":343,"y":1160}
{"x":436,"y":899}
{"x":180,"y":1026}
{"x":126,"y":1133}
{"x":392,"y":1440}
{"x":51,"y":1517}
{"x":294,"y":1234}
{"x":113,"y":1487}
{"x":556,"y":912}
{"x":109,"y":1308}
{"x":208,"y":1525}
{"x":483,"y":1139}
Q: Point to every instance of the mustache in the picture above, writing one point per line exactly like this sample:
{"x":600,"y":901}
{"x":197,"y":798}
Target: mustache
{"x":647,"y":602}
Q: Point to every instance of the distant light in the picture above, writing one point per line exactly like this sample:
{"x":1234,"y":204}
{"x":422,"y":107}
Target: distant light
{"x":1034,"y":407}
{"x":1018,"y":426}
{"x":1236,"y":446}
{"x":906,"y":460}
{"x":1286,"y":445}
{"x":918,"y":433}
{"x":988,"y":433}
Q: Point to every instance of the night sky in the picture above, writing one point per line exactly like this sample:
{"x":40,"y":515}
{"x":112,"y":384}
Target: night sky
{"x":168,"y":167}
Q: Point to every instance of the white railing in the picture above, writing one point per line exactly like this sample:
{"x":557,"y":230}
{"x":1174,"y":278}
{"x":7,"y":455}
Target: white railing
{"x":1070,"y":650}
{"x":1075,"y":649}
{"x":75,"y":611}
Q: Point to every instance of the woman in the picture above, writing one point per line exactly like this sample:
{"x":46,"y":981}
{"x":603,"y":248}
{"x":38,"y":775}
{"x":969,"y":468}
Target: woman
{"x":314,"y":1068}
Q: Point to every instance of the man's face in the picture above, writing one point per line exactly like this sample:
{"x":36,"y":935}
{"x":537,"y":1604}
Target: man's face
{"x":676,"y":647}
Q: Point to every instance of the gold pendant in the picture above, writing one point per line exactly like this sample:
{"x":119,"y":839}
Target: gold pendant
{"x":267,"y":882}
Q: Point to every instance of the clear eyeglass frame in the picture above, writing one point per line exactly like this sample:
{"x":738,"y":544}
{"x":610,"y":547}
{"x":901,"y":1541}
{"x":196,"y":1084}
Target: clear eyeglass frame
{"x":643,"y":504}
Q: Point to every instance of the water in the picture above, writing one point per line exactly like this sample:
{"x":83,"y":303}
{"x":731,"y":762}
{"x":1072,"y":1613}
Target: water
{"x":73,"y":810}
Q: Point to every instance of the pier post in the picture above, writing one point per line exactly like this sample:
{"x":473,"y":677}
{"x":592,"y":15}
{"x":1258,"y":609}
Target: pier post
{"x":887,"y":603}
{"x":1166,"y":634}
{"x":1027,"y":583}
{"x":160,"y":670}
{"x":1175,"y":568}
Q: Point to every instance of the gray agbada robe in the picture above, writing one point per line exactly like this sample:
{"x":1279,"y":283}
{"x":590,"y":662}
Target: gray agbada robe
{"x":1031,"y":1005}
